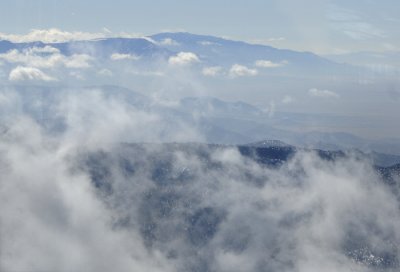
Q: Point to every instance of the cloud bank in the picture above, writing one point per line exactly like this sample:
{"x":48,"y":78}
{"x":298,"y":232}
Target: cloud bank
{"x":46,"y":57}
{"x":52,"y":35}
{"x":87,"y":195}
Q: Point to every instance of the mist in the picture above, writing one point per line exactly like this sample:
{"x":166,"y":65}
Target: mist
{"x":106,"y":185}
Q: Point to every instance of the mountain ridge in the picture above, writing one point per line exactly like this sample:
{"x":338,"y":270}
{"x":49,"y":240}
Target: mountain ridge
{"x":154,"y":44}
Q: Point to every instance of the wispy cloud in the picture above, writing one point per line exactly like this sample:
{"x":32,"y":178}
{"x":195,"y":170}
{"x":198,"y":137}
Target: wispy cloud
{"x":270,"y":64}
{"x":353,"y":24}
{"x":118,"y":56}
{"x":207,"y":43}
{"x":147,"y":73}
{"x":77,"y":75}
{"x":211,"y":71}
{"x":287,"y":99}
{"x":268,"y":41}
{"x":322,"y":93}
{"x":105,"y":72}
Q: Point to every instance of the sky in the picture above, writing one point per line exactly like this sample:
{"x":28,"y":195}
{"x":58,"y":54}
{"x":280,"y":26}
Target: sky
{"x":320,"y":26}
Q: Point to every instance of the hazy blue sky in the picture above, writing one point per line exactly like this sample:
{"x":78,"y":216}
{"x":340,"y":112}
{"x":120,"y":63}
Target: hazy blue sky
{"x":322,"y":26}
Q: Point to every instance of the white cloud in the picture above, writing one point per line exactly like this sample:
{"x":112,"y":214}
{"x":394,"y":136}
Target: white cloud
{"x":169,"y":42}
{"x":21,"y":73}
{"x":118,"y":56}
{"x":287,"y":99}
{"x":34,"y":57}
{"x":52,"y":35}
{"x":211,"y":71}
{"x":269,"y":64}
{"x":183,"y":58}
{"x":322,"y":93}
{"x":47,"y":49}
{"x":238,"y":70}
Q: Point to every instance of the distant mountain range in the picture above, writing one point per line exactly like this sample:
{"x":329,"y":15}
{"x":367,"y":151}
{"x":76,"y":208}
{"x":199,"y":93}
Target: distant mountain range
{"x":212,"y":51}
{"x":220,"y":122}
